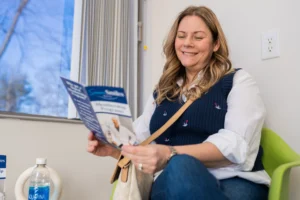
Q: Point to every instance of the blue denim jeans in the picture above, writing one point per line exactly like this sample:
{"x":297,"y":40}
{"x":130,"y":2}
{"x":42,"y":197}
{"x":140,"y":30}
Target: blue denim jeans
{"x":187,"y":178}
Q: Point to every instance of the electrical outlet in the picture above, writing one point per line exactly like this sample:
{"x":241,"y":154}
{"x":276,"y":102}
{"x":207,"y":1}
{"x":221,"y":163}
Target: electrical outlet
{"x":270,"y":44}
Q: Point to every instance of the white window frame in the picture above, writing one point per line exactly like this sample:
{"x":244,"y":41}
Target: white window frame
{"x":76,"y":52}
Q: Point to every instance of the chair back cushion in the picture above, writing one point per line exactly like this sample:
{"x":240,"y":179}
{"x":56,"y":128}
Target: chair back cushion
{"x":275,"y":151}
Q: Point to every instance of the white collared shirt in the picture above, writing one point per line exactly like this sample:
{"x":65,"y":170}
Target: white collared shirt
{"x":240,"y":139}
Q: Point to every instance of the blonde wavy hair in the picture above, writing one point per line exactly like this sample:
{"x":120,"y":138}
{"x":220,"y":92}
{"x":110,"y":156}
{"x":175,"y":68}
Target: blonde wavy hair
{"x":218,"y":66}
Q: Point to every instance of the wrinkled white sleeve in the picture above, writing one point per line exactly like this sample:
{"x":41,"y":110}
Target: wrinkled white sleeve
{"x":142,"y":123}
{"x":239,"y":140}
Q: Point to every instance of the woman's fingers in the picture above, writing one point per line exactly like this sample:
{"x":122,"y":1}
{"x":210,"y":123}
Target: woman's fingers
{"x":91,"y":136}
{"x":152,"y":157}
{"x":140,"y":155}
{"x":92,"y":140}
{"x":92,"y":143}
{"x":90,"y":149}
{"x":137,"y":150}
{"x":145,"y":167}
{"x":132,"y":154}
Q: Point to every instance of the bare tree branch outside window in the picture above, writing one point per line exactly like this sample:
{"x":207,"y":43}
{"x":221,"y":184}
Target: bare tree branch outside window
{"x":35,"y":50}
{"x":12,"y":28}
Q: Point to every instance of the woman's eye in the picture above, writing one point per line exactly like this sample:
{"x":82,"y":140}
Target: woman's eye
{"x":180,"y":36}
{"x":198,"y":38}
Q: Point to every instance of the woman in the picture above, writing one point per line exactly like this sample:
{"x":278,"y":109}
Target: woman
{"x":212,"y":151}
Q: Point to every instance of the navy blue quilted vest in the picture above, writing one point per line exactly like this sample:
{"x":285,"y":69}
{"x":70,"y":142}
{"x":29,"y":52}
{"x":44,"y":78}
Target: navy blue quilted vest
{"x":203,"y":118}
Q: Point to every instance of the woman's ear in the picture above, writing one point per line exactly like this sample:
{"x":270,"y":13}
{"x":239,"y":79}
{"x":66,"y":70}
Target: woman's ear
{"x":216,"y":45}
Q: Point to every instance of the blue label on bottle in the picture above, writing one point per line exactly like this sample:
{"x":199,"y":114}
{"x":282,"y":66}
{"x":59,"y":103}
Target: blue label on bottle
{"x":39,"y":193}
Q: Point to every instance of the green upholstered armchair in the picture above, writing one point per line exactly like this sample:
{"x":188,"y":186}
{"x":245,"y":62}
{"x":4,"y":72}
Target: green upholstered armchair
{"x":278,"y":159}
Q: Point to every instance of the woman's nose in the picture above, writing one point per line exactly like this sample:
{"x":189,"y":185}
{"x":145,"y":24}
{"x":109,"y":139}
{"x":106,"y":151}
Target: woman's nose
{"x":188,"y":42}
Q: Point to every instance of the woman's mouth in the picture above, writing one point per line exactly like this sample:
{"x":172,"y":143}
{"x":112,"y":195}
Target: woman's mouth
{"x":189,"y":53}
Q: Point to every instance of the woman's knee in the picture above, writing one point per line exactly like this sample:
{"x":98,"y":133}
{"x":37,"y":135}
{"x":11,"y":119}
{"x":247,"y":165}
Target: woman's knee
{"x":186,"y":165}
{"x":188,"y":170}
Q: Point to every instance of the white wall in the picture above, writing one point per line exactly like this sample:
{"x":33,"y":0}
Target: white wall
{"x":243,"y":22}
{"x":87,"y":177}
{"x":84,"y":176}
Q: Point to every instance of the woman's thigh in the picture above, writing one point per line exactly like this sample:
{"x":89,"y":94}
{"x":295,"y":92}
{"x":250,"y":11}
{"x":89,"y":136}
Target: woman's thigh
{"x":185,"y":177}
{"x":238,"y":188}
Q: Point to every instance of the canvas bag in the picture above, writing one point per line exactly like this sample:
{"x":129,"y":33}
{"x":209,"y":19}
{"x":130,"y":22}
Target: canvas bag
{"x":137,"y":186}
{"x":132,"y":183}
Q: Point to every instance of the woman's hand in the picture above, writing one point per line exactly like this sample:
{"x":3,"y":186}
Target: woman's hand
{"x":152,"y":157}
{"x":99,"y":148}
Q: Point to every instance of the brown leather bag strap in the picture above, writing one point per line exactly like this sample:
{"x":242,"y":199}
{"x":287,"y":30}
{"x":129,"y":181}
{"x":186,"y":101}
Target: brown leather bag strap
{"x":116,"y":172}
{"x":124,"y":161}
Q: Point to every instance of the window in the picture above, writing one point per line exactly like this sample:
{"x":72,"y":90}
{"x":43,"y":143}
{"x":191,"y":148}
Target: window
{"x":35,"y":50}
{"x":43,"y":40}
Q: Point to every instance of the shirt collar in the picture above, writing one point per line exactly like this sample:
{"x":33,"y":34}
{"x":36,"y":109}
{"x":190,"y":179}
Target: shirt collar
{"x":195,"y":81}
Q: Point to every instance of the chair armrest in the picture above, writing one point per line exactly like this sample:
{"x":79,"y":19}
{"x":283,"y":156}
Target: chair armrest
{"x":113,"y":190}
{"x":279,"y":189}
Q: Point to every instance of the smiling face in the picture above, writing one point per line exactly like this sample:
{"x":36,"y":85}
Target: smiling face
{"x":194,"y":44}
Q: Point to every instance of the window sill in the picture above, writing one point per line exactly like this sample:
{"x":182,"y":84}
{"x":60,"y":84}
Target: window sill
{"x":20,"y":116}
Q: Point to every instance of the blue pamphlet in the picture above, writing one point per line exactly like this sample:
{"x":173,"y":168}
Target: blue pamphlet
{"x":104,"y":111}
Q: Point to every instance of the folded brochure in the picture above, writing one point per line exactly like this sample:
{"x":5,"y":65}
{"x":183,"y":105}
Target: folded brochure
{"x":104,"y":111}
